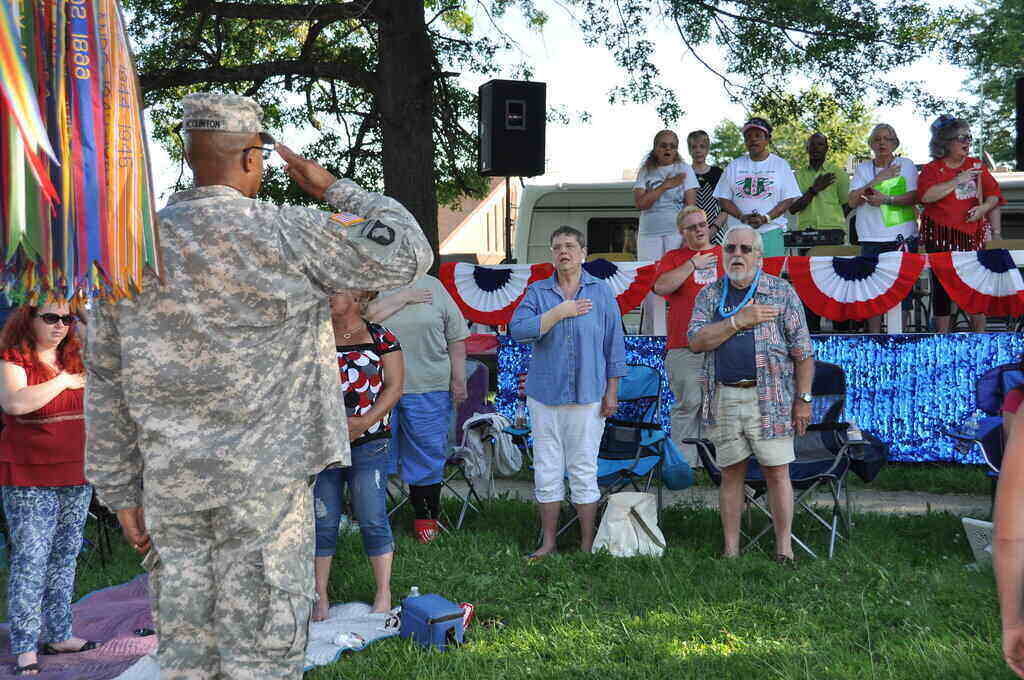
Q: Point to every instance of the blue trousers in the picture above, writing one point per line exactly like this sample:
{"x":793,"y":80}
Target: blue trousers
{"x":367,"y":479}
{"x":46,"y":525}
{"x":420,"y":424}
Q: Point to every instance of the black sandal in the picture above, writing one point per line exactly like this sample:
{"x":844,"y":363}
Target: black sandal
{"x":27,"y":669}
{"x":50,"y":649}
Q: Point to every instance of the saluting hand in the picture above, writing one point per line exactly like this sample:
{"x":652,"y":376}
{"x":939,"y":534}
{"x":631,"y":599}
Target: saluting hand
{"x":308,"y":174}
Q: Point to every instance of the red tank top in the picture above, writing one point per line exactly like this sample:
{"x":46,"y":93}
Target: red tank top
{"x":45,"y":447}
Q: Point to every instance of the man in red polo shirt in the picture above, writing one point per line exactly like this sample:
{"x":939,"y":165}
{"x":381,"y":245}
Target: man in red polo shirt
{"x":682,"y":273}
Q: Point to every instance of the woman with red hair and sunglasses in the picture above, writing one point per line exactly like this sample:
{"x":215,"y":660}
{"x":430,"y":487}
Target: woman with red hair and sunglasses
{"x":45,"y":495}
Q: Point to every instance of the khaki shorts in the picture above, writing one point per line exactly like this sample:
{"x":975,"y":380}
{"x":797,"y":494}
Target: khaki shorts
{"x":736,"y":433}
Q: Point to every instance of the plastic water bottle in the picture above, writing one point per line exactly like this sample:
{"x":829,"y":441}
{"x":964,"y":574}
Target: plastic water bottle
{"x":414,"y":591}
{"x":520,"y":415}
{"x":853,"y":433}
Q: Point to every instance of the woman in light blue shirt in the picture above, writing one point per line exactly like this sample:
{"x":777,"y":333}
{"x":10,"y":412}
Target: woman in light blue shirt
{"x":579,"y":354}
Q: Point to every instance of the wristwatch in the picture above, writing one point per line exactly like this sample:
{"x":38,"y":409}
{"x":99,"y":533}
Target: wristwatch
{"x":805,"y":397}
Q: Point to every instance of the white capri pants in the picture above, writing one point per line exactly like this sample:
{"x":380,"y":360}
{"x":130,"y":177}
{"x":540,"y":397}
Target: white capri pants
{"x":652,"y":248}
{"x":565,"y":442}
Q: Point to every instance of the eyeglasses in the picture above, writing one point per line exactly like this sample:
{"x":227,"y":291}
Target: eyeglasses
{"x":888,"y":140}
{"x":695,"y":227}
{"x":559,"y":247}
{"x":963,"y":139}
{"x":266,"y":151}
{"x":743,"y":247}
{"x":51,"y":319}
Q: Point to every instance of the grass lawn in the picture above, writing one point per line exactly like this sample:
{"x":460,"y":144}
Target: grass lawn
{"x":895,"y":603}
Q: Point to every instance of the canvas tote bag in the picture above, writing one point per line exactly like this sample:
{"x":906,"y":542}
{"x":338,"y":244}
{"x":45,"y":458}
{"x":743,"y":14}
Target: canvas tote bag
{"x":630,"y":526}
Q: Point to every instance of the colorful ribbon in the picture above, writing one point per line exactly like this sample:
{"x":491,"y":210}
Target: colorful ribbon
{"x":76,"y":197}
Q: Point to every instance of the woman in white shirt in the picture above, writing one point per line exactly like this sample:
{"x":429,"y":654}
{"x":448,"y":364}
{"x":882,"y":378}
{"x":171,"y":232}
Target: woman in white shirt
{"x":883,"y":194}
{"x":664,"y":185}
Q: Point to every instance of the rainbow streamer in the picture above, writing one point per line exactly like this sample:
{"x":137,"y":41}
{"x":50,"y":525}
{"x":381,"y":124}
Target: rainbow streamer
{"x":77,"y":213}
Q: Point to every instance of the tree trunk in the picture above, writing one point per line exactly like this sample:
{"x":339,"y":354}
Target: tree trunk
{"x":405,"y":99}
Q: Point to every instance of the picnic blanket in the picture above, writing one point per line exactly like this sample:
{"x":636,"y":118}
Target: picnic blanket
{"x":113,"y":614}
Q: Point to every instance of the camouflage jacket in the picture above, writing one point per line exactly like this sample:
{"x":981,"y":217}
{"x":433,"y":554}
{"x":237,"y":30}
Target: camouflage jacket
{"x":223,"y":382}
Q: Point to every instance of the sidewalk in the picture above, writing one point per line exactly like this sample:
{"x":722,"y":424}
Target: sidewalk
{"x":862,"y":499}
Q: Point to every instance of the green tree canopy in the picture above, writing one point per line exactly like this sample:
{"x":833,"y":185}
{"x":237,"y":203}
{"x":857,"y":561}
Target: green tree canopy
{"x":372,"y":82}
{"x":991,"y":47}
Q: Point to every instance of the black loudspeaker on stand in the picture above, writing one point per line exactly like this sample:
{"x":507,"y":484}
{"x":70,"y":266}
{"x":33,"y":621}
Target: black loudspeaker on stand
{"x":512,"y":116}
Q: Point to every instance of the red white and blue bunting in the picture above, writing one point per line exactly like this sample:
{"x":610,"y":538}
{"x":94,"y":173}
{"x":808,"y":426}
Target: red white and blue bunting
{"x":982,"y":282}
{"x":489,"y":294}
{"x":857,"y":288}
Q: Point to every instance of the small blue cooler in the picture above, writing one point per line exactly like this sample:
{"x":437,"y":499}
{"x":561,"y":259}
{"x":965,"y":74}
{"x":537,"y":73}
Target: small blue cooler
{"x":431,"y":621}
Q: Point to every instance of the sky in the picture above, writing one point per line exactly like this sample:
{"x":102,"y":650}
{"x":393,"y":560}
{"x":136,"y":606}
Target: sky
{"x":616,"y":137}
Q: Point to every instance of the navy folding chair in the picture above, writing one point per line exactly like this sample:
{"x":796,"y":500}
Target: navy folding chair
{"x":987,"y":434}
{"x":822,"y":463}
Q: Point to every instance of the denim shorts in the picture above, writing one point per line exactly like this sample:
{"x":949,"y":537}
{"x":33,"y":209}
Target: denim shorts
{"x":367,"y":483}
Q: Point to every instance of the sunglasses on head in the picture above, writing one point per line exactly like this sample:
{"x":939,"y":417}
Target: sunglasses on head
{"x":50,"y":318}
{"x":744,"y":248}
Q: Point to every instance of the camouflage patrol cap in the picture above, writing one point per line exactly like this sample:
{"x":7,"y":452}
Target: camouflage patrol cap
{"x":218,"y":112}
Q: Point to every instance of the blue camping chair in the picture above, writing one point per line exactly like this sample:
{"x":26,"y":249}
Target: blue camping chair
{"x":823,"y":459}
{"x":987,"y":435}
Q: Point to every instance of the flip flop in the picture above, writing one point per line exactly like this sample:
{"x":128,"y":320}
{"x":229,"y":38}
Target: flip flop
{"x":27,"y":669}
{"x":50,"y":649}
{"x":533,"y":557}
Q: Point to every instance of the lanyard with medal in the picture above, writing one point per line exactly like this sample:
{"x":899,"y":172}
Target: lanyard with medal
{"x":743,"y":303}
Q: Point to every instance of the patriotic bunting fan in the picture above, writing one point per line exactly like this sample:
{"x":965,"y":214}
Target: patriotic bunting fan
{"x":773,"y":265}
{"x":844,"y":288}
{"x":489,"y":294}
{"x":983,"y":282}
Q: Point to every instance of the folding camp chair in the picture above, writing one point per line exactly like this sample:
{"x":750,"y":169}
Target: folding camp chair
{"x":822,"y":462}
{"x":455,"y":464}
{"x":633,"y":444}
{"x":103,"y":520}
{"x":987,"y":434}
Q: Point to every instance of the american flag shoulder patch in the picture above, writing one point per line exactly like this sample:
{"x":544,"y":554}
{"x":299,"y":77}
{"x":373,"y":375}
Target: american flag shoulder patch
{"x":347,"y":219}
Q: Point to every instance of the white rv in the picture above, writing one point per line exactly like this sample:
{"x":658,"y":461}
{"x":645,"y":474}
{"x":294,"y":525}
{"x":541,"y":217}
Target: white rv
{"x":605,"y":212}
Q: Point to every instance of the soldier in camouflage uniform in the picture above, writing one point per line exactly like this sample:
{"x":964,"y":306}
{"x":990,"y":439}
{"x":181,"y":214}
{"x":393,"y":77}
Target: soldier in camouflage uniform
{"x":214,"y":398}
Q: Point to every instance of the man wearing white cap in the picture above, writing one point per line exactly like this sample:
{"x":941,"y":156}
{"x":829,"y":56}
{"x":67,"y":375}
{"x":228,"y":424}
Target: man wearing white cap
{"x":758,"y":188}
{"x":214,"y":397}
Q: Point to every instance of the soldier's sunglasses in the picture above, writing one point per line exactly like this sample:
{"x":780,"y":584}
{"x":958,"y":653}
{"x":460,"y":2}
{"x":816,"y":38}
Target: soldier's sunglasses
{"x":265,"y":151}
{"x":51,"y":319}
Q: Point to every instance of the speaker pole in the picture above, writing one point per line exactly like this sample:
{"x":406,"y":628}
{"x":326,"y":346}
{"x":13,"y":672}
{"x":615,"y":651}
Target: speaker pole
{"x":1020,"y":124}
{"x":508,"y":220}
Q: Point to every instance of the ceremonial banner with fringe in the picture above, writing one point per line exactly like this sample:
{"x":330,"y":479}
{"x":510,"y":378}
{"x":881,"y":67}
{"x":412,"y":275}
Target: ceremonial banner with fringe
{"x":76,"y":192}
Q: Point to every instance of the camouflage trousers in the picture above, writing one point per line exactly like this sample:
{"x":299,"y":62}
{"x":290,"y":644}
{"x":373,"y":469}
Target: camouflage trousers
{"x":232,"y":588}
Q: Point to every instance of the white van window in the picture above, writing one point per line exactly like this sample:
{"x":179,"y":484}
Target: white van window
{"x":613,"y":235}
